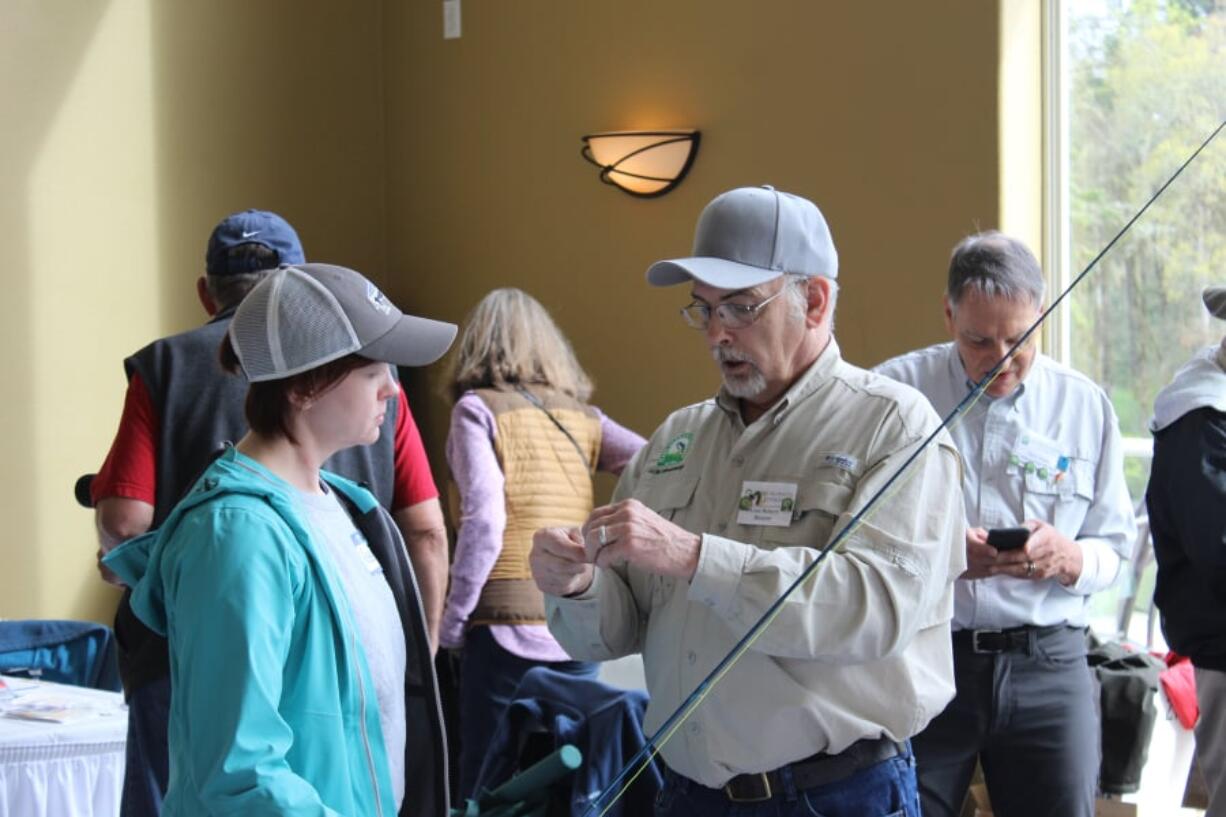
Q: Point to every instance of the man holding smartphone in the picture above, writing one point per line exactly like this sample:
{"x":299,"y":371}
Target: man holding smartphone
{"x":1041,"y":451}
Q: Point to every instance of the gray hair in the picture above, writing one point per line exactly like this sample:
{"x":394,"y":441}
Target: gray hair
{"x":996,"y":266}
{"x":797,"y":287}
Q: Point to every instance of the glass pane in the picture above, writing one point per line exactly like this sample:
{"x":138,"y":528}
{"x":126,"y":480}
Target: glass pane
{"x":1146,"y":83}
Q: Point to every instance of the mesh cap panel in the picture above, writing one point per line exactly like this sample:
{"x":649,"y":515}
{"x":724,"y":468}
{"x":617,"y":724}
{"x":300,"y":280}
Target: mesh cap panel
{"x":249,"y":338}
{"x":311,"y":325}
{"x":292,"y":325}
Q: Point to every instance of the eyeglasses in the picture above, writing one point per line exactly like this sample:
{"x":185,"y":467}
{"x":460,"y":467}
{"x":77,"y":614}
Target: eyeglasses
{"x":731,"y":315}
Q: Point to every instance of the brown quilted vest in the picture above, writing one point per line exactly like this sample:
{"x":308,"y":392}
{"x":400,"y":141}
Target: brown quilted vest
{"x":547,"y":485}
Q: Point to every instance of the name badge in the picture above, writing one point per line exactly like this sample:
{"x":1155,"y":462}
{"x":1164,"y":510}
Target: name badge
{"x":366,"y":555}
{"x":766,"y":503}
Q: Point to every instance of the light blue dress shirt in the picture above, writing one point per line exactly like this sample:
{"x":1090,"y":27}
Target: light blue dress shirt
{"x":1051,"y":451}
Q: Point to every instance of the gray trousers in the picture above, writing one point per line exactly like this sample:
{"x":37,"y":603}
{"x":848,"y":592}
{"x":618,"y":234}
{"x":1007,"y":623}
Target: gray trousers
{"x":1030,"y":716}
{"x":1211,"y":736}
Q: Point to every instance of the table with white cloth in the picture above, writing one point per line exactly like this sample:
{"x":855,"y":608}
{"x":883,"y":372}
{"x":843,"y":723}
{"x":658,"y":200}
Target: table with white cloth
{"x":68,"y":765}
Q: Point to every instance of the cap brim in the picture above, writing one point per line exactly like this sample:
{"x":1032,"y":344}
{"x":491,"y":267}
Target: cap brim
{"x":1215,"y":301}
{"x":715,"y":272}
{"x":412,"y":341}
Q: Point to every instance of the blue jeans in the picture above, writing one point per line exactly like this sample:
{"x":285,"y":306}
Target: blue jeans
{"x":489,"y":676}
{"x":147,"y":762}
{"x":885,"y":789}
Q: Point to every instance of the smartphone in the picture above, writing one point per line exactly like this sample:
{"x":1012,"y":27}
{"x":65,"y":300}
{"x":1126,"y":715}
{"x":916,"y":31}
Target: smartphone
{"x":1008,"y":538}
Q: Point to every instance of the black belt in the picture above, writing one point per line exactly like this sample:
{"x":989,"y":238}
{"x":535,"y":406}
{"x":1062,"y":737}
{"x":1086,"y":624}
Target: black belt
{"x":818,"y":770}
{"x":994,"y":642}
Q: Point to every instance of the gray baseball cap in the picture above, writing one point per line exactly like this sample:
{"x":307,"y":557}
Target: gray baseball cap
{"x":749,"y":236}
{"x":1215,"y":301}
{"x":301,"y":317}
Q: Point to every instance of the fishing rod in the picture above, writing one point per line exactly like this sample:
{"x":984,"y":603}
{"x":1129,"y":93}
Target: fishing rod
{"x":635,"y":766}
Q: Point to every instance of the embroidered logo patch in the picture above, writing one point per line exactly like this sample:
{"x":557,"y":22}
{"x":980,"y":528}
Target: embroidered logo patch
{"x":377,"y":299}
{"x":674,"y":454}
{"x":845,"y":461}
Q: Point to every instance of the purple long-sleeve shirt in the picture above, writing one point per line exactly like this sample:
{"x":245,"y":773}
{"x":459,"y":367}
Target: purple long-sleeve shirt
{"x":483,"y":519}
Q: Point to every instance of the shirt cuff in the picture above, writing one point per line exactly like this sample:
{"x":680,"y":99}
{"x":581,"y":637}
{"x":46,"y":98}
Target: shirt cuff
{"x":721,"y":562}
{"x":590,"y":594}
{"x":1099,"y":566}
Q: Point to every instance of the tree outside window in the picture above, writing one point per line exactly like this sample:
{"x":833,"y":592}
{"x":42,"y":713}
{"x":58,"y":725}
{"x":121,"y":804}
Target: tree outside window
{"x":1147,"y":82}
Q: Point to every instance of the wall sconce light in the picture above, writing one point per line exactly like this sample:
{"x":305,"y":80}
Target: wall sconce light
{"x":643,"y":163}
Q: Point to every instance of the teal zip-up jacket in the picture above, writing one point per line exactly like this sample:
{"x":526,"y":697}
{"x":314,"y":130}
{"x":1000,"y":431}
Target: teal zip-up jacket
{"x":272,"y":709}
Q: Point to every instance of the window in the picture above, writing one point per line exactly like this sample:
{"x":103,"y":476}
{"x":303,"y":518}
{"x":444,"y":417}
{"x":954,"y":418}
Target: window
{"x":1143,"y":82}
{"x":1136,"y":85}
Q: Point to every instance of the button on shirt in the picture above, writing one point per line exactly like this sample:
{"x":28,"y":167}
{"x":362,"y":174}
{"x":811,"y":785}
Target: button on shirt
{"x":862,"y":648}
{"x":1051,"y":451}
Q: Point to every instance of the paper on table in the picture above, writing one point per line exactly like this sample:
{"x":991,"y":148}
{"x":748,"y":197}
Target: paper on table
{"x":51,"y":710}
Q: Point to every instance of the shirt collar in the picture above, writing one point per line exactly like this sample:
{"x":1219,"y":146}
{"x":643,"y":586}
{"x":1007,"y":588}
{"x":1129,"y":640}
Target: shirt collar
{"x":957,"y":374}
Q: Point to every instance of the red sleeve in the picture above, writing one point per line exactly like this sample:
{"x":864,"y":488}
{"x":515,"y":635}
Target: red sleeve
{"x":414,"y":482}
{"x":130,"y":469}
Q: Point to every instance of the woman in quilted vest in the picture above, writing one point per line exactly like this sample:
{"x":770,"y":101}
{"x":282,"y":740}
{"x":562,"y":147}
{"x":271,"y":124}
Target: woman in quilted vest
{"x":523,"y":446}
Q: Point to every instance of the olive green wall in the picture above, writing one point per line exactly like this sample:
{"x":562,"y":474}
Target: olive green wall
{"x":443,"y":169}
{"x":885,"y":114}
{"x":130,"y":128}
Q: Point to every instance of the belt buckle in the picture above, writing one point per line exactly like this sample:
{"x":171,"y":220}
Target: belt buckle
{"x":764,"y":794}
{"x":981,"y":650}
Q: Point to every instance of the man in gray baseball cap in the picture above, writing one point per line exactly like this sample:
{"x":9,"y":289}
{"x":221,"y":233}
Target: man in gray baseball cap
{"x":731,"y":501}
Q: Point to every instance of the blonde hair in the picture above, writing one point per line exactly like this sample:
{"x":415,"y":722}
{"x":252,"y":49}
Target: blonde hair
{"x":509,"y":339}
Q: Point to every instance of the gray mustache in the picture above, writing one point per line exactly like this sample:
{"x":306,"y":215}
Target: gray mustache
{"x":726,"y":354}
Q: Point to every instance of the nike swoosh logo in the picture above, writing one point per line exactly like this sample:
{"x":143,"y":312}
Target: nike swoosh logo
{"x":251,"y":234}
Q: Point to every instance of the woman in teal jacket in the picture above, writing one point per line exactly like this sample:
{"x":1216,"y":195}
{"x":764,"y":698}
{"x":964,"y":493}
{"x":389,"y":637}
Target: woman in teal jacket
{"x":299,"y":660}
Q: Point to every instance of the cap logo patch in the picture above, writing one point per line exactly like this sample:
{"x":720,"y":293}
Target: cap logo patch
{"x":377,"y":299}
{"x":251,"y":234}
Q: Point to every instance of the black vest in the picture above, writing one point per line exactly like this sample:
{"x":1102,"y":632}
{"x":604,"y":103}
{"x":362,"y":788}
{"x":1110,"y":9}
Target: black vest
{"x":199,"y":408}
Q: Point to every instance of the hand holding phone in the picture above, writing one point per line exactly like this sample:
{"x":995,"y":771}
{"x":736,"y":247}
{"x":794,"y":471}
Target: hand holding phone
{"x":1008,"y":538}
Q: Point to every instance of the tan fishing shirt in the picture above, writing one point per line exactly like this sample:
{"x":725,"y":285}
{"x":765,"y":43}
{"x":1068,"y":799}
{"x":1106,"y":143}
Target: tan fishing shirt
{"x":862,"y":648}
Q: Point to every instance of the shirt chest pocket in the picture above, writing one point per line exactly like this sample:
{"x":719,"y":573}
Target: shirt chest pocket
{"x":1062,"y":502}
{"x":672,"y":497}
{"x":819,"y":504}
{"x":669,"y":495}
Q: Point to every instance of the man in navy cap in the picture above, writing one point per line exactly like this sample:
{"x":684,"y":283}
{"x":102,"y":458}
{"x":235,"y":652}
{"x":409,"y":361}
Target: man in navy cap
{"x":179,"y":410}
{"x":1186,"y":499}
{"x":728,"y":505}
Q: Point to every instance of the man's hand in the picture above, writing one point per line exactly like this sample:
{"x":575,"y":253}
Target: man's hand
{"x":1048,"y":554}
{"x":107,"y":574}
{"x":980,"y":556}
{"x":631,"y":533}
{"x":559,"y":562}
{"x":118,"y":519}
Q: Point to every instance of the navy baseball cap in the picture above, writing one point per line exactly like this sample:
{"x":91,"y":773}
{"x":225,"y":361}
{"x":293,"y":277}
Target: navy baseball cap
{"x":251,"y":227}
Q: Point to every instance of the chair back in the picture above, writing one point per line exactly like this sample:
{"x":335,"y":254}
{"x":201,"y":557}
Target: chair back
{"x":81,"y":653}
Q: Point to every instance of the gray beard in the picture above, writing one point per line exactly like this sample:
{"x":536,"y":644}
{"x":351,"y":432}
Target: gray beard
{"x":743,"y":386}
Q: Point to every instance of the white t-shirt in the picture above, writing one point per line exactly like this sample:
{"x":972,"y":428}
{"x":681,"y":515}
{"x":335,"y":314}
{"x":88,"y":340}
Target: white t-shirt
{"x":374,"y":612}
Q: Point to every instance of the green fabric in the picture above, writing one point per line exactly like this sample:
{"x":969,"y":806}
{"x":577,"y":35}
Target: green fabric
{"x":273,"y":710}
